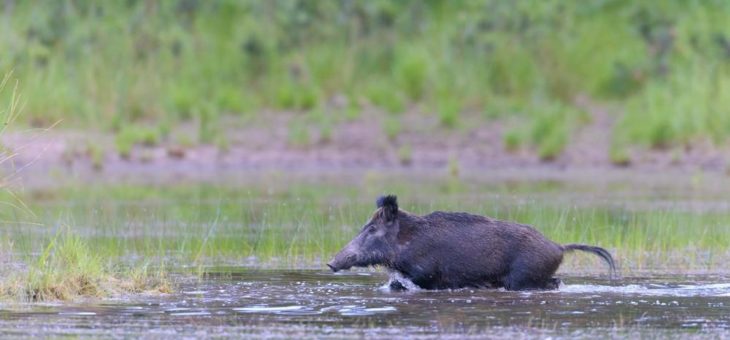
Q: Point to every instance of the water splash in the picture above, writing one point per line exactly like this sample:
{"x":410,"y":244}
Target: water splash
{"x":398,"y":282}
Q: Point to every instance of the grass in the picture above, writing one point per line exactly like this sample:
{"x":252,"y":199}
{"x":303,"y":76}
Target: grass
{"x":68,"y":269}
{"x":411,"y":72}
{"x":550,"y":128}
{"x":129,"y":136}
{"x":352,"y":111}
{"x":119,"y":64}
{"x":278,"y":223}
{"x":619,"y":155}
{"x":207,"y":124}
{"x":388,"y":99}
{"x":685,"y":108}
{"x":325,"y":133}
{"x":12,"y":111}
{"x":96,"y":154}
{"x":513,"y":140}
{"x":405,"y":154}
{"x":392,"y":127}
{"x":552,"y":145}
{"x":299,"y":136}
{"x":448,"y":112}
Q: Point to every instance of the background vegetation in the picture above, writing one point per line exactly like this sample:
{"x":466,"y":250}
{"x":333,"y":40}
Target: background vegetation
{"x":123,"y":65}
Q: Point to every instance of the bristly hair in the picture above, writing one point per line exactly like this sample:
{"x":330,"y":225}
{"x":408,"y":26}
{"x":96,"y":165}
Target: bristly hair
{"x":389,"y":204}
{"x":389,"y":200}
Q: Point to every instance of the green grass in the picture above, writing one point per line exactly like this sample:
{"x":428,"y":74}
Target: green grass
{"x":96,"y":154}
{"x":325,"y":133}
{"x":115,"y":64}
{"x":448,"y":112}
{"x":388,"y":99}
{"x":280,"y":223}
{"x":687,"y":107}
{"x":392,"y":127}
{"x":299,"y":136}
{"x":352,"y":111}
{"x":10,"y":112}
{"x":619,"y":155}
{"x":67,"y":269}
{"x":513,"y":140}
{"x":207,"y":124}
{"x":129,"y":136}
{"x":550,"y":126}
{"x":405,"y":154}
{"x":411,"y":72}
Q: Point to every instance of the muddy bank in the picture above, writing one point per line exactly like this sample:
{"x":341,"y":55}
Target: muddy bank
{"x":476,"y":147}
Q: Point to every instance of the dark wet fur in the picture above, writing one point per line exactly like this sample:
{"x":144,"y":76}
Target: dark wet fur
{"x":444,"y":250}
{"x":397,"y":286}
{"x":455,"y":250}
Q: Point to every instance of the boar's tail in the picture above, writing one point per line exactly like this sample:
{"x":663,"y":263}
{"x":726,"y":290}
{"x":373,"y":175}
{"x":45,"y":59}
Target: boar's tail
{"x":603,"y":253}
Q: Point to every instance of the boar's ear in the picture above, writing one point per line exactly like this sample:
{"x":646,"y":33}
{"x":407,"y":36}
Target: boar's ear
{"x":390,"y":206}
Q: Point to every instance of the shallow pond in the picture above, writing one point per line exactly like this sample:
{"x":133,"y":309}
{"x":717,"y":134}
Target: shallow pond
{"x":657,"y":233}
{"x":312,"y":303}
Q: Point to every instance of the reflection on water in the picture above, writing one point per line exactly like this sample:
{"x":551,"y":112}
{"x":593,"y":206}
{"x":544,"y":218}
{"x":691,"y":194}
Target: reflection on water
{"x":687,"y":290}
{"x":318,"y":304}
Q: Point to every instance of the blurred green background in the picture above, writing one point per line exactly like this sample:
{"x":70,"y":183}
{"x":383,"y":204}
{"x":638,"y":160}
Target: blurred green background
{"x":140,"y":68}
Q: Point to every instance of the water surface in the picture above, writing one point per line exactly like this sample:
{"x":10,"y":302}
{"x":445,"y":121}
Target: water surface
{"x":313,"y":303}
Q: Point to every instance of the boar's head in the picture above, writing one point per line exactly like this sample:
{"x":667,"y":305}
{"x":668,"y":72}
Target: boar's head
{"x":377,"y":241}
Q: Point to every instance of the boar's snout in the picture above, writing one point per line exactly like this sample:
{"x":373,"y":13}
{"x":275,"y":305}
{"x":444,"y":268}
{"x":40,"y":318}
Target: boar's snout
{"x":345,"y":259}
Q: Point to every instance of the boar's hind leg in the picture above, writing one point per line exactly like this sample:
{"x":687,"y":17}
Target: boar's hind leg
{"x":523,"y":276}
{"x":518,"y":281}
{"x":553,"y":283}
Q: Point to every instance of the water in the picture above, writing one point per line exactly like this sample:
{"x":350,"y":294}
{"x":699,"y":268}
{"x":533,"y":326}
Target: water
{"x":664,"y":231}
{"x":320,"y":304}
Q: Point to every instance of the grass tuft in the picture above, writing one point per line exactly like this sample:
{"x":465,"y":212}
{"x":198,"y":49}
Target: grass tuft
{"x":411,"y":71}
{"x":68,"y":269}
{"x":96,"y":154}
{"x":513,"y":140}
{"x":619,"y":155}
{"x":299,"y":136}
{"x":405,"y":154}
{"x":392,"y":127}
{"x":386,"y":98}
{"x":131,"y":135}
{"x":448,"y":112}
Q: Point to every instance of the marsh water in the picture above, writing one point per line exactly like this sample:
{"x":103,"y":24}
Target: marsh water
{"x":261,"y":247}
{"x":313,"y":303}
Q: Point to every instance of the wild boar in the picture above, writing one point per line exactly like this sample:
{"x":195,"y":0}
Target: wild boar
{"x":448,"y":250}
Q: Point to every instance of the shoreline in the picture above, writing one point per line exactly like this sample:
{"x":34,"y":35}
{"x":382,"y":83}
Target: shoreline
{"x":44,"y":158}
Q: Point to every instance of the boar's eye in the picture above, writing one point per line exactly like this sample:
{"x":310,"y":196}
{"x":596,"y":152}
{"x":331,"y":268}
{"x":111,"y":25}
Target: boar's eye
{"x":371,"y":229}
